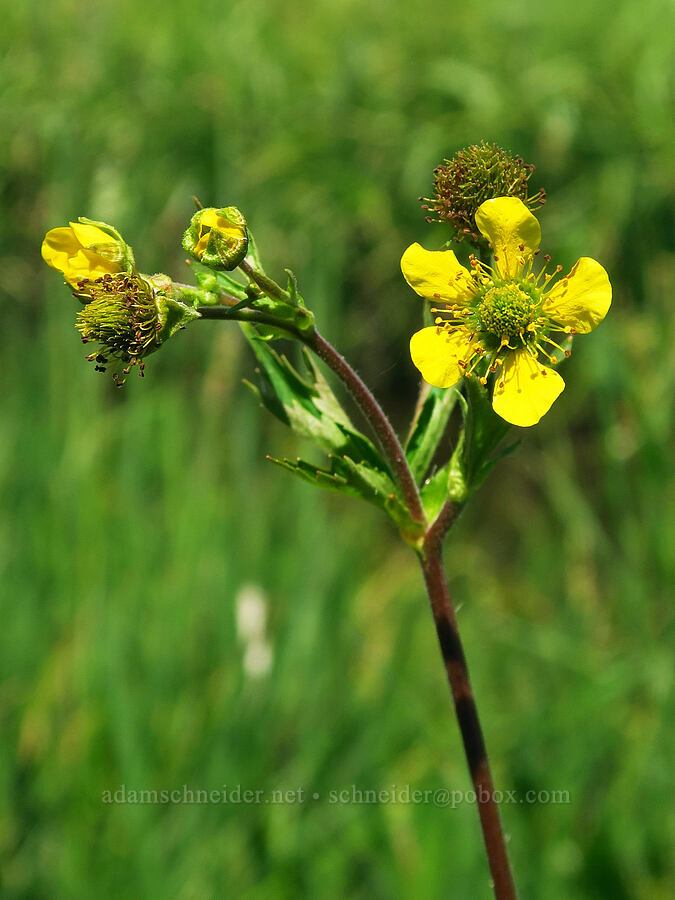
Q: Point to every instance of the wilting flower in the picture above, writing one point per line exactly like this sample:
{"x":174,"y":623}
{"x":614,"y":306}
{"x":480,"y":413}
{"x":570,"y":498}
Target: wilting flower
{"x":500,"y":319}
{"x":86,"y":250}
{"x":218,"y":238}
{"x":130,"y":315}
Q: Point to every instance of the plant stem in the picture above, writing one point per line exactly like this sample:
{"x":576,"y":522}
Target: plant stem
{"x":431,"y":560}
{"x":377,"y":419}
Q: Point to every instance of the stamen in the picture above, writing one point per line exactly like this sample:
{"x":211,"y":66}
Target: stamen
{"x":557,"y":346}
{"x":546,"y":354}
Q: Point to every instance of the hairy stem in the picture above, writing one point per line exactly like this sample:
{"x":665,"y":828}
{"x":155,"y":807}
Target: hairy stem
{"x":465,"y":706}
{"x":377,"y":419}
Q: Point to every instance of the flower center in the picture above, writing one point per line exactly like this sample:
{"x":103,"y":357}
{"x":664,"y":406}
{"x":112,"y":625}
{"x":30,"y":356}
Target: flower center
{"x":120,"y":313}
{"x":506,"y":311}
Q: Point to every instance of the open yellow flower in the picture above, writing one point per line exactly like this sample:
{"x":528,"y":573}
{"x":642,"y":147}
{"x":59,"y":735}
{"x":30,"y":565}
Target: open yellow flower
{"x":500,"y":319}
{"x":83,"y":251}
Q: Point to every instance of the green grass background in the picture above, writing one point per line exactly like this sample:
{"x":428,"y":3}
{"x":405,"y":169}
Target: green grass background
{"x":131,"y":519}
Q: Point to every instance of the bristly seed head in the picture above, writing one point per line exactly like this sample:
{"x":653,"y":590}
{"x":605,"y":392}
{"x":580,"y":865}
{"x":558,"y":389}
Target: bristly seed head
{"x":476,"y":174}
{"x":122,"y":315}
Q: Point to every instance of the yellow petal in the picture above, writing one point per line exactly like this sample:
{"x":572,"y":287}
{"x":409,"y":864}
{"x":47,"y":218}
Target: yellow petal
{"x":436,"y":353}
{"x":582,"y":298}
{"x":90,"y":235}
{"x":211,"y":219}
{"x":62,"y":250}
{"x":88,"y":265}
{"x":525,"y":389}
{"x":58,"y":245}
{"x":436,"y":274}
{"x":509,"y":225}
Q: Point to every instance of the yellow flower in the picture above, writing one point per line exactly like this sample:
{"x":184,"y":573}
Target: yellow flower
{"x":500,"y":319}
{"x":218,"y":238}
{"x":83,"y":251}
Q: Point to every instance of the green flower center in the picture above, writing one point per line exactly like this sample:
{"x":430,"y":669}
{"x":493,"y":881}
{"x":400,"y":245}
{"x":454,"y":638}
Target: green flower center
{"x":506,"y":311}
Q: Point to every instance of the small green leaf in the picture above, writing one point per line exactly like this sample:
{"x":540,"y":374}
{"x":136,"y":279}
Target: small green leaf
{"x":431,"y":419}
{"x":313,"y":474}
{"x":308,"y":405}
{"x":253,"y":251}
{"x":292,"y":289}
{"x":448,"y":483}
{"x":358,"y":480}
{"x":434,"y":493}
{"x":484,"y":430}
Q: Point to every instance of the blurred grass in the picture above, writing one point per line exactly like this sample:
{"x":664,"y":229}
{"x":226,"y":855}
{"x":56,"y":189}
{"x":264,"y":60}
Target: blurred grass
{"x":132,"y":519}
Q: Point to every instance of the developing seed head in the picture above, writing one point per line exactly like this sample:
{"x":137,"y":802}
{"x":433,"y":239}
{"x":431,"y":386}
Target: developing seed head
{"x":506,"y":311}
{"x":476,"y":174}
{"x":121,"y":314}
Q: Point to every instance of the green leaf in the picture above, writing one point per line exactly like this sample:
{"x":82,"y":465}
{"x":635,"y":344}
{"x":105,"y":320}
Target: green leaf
{"x":484,"y":430}
{"x":292,"y":288}
{"x":448,"y":483}
{"x":434,"y":493}
{"x":308,"y":405}
{"x":431,"y":419}
{"x":324,"y":478}
{"x":358,"y":480}
{"x":474,"y":455}
{"x":253,"y":250}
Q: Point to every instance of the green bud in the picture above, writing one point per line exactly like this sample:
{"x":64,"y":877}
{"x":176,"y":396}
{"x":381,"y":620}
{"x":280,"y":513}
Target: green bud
{"x":476,"y":174}
{"x":130,"y":316}
{"x":218,"y":238}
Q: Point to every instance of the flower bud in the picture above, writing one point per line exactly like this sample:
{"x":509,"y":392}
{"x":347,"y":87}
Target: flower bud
{"x":130,"y":316}
{"x":476,"y":174}
{"x":218,"y":238}
{"x":86,"y":250}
